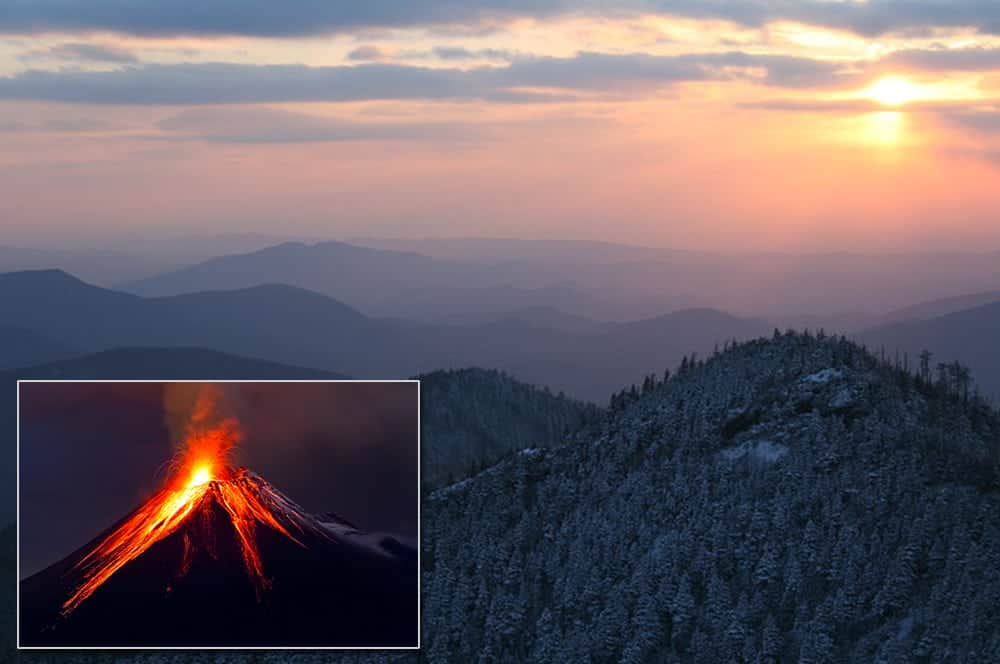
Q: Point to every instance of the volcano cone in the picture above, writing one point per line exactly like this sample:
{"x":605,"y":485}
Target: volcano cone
{"x":225,"y":562}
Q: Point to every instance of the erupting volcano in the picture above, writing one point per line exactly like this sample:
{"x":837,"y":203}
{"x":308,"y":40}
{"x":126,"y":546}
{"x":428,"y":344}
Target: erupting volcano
{"x":218,"y":556}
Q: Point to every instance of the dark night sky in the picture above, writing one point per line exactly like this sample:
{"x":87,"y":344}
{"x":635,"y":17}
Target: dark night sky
{"x":91,"y":452}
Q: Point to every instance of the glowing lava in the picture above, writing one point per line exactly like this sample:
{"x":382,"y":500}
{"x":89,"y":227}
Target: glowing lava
{"x":201,"y":475}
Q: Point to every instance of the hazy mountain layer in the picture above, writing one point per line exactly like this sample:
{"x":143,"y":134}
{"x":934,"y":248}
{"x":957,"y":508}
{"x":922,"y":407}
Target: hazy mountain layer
{"x":20,"y":347}
{"x":299,"y":327}
{"x":407,"y":284}
{"x":468,"y":279}
{"x":942,"y":307}
{"x":99,"y":266}
{"x":838,"y":287}
{"x":969,"y":336}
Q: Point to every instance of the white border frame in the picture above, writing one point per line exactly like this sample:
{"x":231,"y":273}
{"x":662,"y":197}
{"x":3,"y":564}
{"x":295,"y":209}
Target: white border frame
{"x":197,"y":648}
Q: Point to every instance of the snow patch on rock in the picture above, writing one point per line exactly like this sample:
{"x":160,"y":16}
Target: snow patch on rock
{"x":823,"y":377}
{"x":765,"y":451}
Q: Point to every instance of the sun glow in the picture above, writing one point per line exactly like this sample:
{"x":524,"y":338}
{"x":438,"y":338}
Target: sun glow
{"x":885,"y":128}
{"x":894,"y":91}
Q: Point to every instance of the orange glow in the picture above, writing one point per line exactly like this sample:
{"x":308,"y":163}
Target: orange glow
{"x":202,"y":476}
{"x":884,"y":128}
{"x":894,"y":91}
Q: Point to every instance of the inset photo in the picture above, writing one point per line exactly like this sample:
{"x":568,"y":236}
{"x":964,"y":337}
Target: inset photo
{"x":218,"y":514}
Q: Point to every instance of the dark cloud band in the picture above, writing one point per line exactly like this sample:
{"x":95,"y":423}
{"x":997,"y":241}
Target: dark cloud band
{"x":524,"y":80}
{"x":306,"y":17}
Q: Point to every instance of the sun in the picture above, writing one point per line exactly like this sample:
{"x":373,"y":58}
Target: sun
{"x":893,"y":91}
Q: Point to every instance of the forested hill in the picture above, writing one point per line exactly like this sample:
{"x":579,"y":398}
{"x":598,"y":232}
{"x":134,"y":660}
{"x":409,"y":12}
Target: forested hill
{"x":788,"y":500}
{"x":472,"y":417}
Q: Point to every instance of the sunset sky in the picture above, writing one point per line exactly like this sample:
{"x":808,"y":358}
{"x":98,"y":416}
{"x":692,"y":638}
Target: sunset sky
{"x":744,"y":125}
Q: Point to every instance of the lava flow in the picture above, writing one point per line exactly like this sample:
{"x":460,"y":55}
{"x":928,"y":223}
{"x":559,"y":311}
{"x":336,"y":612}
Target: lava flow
{"x":200,"y":470}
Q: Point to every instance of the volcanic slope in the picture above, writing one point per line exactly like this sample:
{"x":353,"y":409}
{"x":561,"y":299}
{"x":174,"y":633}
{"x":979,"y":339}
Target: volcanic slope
{"x":239,"y":564}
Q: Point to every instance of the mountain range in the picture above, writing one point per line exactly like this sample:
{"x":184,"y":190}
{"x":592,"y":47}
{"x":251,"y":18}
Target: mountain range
{"x":400,"y":284}
{"x":20,"y":347}
{"x":467,"y":278}
{"x":294,"y":326}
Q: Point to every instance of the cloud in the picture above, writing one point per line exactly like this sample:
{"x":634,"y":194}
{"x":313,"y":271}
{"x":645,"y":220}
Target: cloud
{"x":258,"y":18}
{"x":956,"y":59}
{"x":268,"y":125}
{"x":784,"y":70}
{"x":63,"y":126}
{"x":224,"y":83}
{"x":982,"y":121}
{"x":307,"y":17}
{"x":869,"y":17}
{"x":83,"y":51}
{"x":858,"y":106}
{"x":990,"y":156}
{"x":982,"y":154}
{"x":369,"y":53}
{"x":816,"y":105}
{"x":236,"y":83}
{"x":461,"y":53}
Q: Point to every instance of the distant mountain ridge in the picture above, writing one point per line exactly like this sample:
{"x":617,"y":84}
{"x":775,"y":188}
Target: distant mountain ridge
{"x":969,"y":336}
{"x":294,"y":326}
{"x":99,"y":266}
{"x":942,"y":307}
{"x":23,"y":347}
{"x":386,"y":282}
{"x":137,"y":362}
{"x":463,"y":279}
{"x":334,"y":268}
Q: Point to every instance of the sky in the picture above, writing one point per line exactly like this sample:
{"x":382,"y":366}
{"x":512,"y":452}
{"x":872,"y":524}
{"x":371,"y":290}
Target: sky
{"x":90,"y":453}
{"x":696,"y":124}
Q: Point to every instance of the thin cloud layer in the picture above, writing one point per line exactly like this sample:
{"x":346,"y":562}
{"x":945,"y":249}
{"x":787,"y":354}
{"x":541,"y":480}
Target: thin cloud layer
{"x":946,"y":59}
{"x":310,"y":17}
{"x":226,"y":83}
{"x":83,"y":52}
{"x":369,"y":53}
{"x":271,"y":125}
